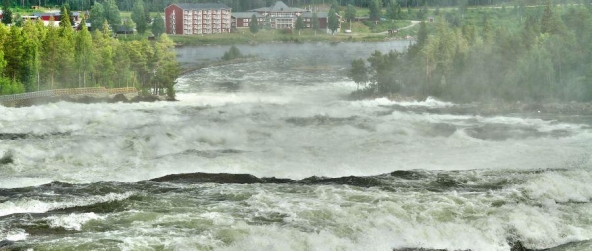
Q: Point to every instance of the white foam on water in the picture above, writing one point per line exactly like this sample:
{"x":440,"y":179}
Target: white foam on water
{"x":37,"y":206}
{"x":15,"y":235}
{"x":561,"y":187}
{"x":14,"y":182}
{"x":72,"y":221}
{"x":430,"y":102}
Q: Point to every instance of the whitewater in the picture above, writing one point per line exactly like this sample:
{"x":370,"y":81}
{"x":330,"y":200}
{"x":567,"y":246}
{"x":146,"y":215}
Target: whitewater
{"x":274,"y":155}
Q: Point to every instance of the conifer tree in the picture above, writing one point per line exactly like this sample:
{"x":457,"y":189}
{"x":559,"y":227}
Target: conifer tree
{"x":315,"y":22}
{"x":65,"y":16}
{"x":254,"y":24}
{"x":83,"y":54}
{"x":299,"y":24}
{"x":333,"y":22}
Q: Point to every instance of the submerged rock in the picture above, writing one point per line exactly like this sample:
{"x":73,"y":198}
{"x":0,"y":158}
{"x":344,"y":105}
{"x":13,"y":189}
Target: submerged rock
{"x":6,"y":158}
{"x":210,"y":177}
{"x":86,"y":99}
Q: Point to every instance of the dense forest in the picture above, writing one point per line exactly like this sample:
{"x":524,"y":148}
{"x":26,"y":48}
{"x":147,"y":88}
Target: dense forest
{"x":547,"y":56}
{"x":244,"y":5}
{"x":37,"y":57}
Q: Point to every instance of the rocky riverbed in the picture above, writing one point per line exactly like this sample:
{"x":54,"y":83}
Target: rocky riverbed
{"x":86,"y":99}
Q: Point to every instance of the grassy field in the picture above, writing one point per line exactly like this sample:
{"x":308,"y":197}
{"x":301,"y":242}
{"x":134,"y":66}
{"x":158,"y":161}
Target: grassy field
{"x":360,"y":33}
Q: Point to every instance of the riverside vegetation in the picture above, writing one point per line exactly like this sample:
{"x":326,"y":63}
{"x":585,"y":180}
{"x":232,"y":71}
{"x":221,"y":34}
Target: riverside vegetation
{"x":537,"y":54}
{"x":36,"y":57}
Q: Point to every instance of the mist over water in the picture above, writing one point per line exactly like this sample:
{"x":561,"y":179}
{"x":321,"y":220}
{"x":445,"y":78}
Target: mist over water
{"x":351,"y":175}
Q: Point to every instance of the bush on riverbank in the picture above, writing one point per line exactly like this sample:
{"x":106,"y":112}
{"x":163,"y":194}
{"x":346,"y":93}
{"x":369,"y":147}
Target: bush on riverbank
{"x":232,"y":53}
{"x":547,"y":59}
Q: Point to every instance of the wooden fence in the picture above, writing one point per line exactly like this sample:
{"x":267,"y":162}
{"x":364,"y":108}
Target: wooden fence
{"x":66,"y":92}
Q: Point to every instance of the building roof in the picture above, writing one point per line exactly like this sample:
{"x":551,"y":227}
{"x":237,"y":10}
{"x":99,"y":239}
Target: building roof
{"x":202,"y":6}
{"x":319,"y":14}
{"x":245,"y":14}
{"x":279,"y":6}
{"x":53,"y":13}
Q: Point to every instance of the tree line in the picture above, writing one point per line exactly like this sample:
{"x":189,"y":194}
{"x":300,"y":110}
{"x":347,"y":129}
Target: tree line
{"x":244,"y":5}
{"x":36,"y":57}
{"x":547,"y":57}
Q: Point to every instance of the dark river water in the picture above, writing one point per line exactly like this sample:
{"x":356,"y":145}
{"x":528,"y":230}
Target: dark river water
{"x":272,"y":155}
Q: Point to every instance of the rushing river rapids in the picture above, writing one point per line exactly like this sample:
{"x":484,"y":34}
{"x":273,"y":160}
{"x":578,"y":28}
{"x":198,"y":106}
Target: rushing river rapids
{"x":271,"y":155}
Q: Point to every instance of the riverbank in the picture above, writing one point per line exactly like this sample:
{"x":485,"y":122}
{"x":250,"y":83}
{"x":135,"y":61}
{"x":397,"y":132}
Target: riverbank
{"x":283,"y":36}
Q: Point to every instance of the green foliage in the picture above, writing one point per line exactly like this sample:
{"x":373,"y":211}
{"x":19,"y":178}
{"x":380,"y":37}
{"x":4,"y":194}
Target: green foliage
{"x":359,"y":73}
{"x":375,"y":9}
{"x":83,"y":54}
{"x":350,"y":13}
{"x":97,"y":16}
{"x":333,"y":22}
{"x":66,"y":17}
{"x":299,"y":24}
{"x":393,"y":10}
{"x":34,"y":57}
{"x":254,"y":24}
{"x":10,"y":86}
{"x":315,"y":22}
{"x":480,"y":58}
{"x":6,"y":12}
{"x":232,"y":53}
{"x":112,"y":14}
{"x":158,"y":25}
{"x":138,"y":16}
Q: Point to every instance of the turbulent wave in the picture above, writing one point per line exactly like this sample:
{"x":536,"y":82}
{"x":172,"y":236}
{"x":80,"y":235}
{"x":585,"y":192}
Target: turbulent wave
{"x":274,"y":155}
{"x":498,"y":209}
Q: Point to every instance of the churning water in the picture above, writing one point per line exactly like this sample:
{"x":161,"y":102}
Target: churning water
{"x":272,"y":155}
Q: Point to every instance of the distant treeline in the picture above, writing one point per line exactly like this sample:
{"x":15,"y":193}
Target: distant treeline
{"x":547,"y":56}
{"x":244,"y":5}
{"x":37,"y":57}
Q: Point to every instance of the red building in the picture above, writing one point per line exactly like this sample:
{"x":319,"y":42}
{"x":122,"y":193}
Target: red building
{"x":243,"y":19}
{"x":206,"y":18}
{"x":322,"y":16}
{"x":47,"y":16}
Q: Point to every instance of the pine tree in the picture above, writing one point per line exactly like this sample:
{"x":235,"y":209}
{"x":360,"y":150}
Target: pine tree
{"x":299,"y":24}
{"x":315,"y":22}
{"x":333,"y":22}
{"x":66,"y":16}
{"x":50,"y":54}
{"x":550,"y":22}
{"x":254,"y":24}
{"x":83,"y":54}
{"x":34,"y":33}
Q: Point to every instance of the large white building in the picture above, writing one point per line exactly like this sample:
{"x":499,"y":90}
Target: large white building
{"x":205,"y":18}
